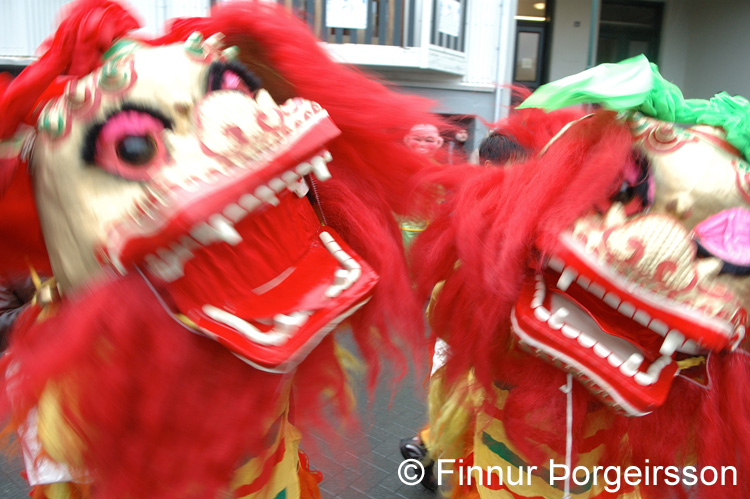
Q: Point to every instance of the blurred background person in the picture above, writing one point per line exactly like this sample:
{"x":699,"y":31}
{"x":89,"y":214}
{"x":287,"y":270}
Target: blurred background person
{"x":499,"y":149}
{"x":424,"y":138}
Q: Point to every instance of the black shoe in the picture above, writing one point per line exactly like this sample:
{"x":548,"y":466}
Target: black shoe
{"x":412,"y":448}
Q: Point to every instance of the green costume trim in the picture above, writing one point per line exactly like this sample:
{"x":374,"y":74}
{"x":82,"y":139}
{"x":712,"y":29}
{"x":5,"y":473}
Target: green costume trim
{"x":635,"y":84}
{"x":502,"y":450}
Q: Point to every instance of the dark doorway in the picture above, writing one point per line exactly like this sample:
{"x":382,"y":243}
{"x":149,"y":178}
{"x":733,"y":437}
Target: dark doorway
{"x":629,"y":28}
{"x":532,"y":43}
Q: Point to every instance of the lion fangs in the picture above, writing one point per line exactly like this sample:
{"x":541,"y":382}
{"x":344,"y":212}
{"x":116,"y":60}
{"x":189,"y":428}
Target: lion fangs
{"x":672,"y":342}
{"x":245,"y":328}
{"x":651,"y":376}
{"x":630,"y":366}
{"x":225,"y":230}
{"x":567,"y":277}
{"x":320,"y":169}
{"x":340,"y":277}
{"x":289,"y":323}
{"x":300,"y":188}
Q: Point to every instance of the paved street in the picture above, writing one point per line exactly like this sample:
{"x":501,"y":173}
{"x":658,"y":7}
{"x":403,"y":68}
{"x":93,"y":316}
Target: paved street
{"x":363,"y":465}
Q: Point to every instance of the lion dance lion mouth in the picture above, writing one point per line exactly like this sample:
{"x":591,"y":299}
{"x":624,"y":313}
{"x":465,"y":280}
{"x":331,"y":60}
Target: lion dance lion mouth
{"x":631,"y":292}
{"x":237,"y":248}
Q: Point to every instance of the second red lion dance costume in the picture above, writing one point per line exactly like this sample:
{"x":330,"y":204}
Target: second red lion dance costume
{"x":617,"y":253}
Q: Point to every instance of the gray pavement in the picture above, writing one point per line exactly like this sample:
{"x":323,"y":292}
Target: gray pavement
{"x":363,"y":464}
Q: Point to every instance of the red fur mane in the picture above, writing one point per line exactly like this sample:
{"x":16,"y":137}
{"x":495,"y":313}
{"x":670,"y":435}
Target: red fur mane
{"x":193,"y":409}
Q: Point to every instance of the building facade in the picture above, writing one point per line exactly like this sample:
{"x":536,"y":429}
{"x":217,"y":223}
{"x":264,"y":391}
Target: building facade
{"x":464,"y":54}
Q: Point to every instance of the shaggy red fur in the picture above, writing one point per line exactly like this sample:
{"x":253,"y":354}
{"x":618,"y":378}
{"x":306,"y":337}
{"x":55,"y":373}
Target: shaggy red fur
{"x":174,"y":413}
{"x":171,"y":412}
{"x":497,"y":223}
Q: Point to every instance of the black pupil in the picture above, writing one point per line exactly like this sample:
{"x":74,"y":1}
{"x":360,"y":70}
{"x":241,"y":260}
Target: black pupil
{"x":627,"y":192}
{"x":136,"y":150}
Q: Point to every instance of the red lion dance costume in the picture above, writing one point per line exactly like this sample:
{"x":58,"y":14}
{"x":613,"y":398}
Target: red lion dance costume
{"x":594,"y":300}
{"x":195,"y":277}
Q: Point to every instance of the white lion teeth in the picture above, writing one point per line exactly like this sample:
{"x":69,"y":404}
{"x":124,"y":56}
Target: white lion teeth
{"x":601,"y":350}
{"x":189,"y":243}
{"x":641,"y":318}
{"x":204,"y":234}
{"x":235,"y":212}
{"x":672,"y":342}
{"x":658,"y":326}
{"x":346,"y":276}
{"x":556,"y":264}
{"x":249,"y":331}
{"x":612,"y":300}
{"x":537,"y":300}
{"x":295,"y":184}
{"x":614,"y":360}
{"x":570,"y":332}
{"x":277,"y":184}
{"x":739,"y":334}
{"x":300,"y":188}
{"x":596,"y":290}
{"x":320,"y":169}
{"x":627,"y":309}
{"x":265,"y":193}
{"x":250,"y":202}
{"x":651,"y":376}
{"x":630,"y":366}
{"x":566,"y":278}
{"x":303,"y":169}
{"x":586,"y":341}
{"x":340,"y":277}
{"x":541,"y":314}
{"x":290,"y":323}
{"x":169,"y":265}
{"x":644,"y":379}
{"x":225,"y":230}
{"x":656,"y":367}
{"x":583,"y":281}
{"x":556,"y":320}
{"x":165,"y":270}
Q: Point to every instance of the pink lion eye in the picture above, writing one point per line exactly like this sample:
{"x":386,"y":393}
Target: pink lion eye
{"x":232,"y":76}
{"x":232,"y":81}
{"x":130,"y":145}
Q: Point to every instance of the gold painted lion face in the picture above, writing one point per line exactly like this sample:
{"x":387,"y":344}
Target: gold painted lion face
{"x":658,"y":280}
{"x":174,"y":162}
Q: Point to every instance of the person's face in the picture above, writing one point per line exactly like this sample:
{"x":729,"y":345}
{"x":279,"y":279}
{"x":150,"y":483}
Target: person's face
{"x":424,"y":139}
{"x":462,"y":136}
